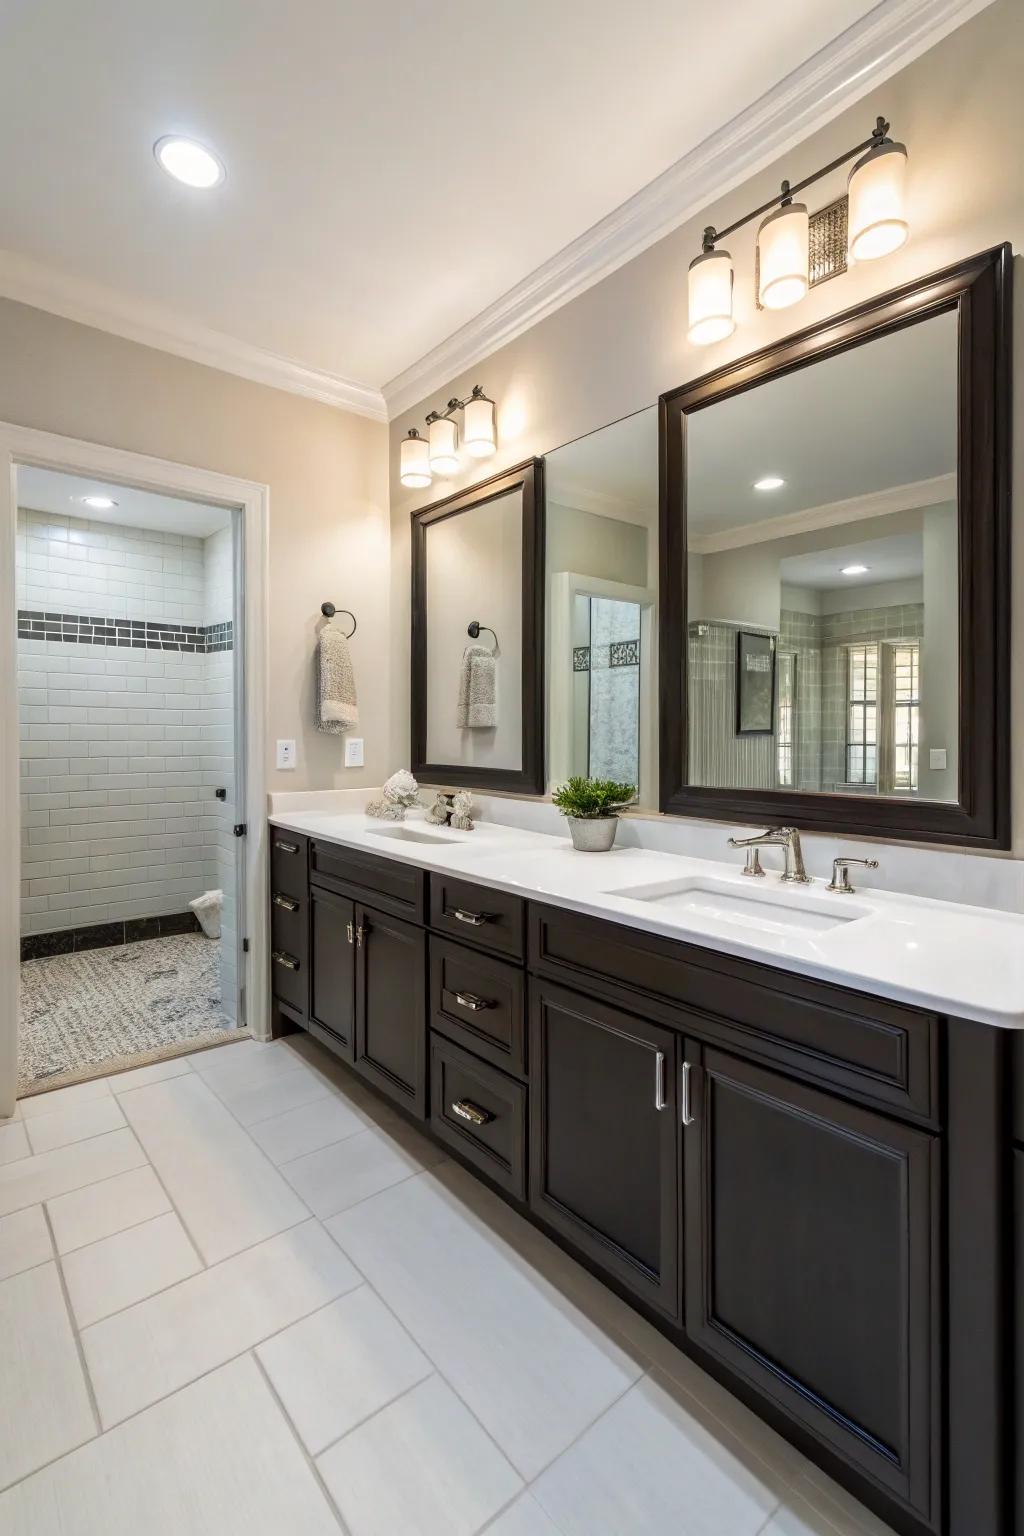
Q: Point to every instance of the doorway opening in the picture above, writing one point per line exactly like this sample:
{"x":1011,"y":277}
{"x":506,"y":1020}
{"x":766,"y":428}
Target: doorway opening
{"x":130,"y":662}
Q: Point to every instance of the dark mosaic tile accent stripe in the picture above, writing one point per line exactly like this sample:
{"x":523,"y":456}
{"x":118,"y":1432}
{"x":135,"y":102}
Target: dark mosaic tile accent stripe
{"x":581,"y":658}
{"x":39,"y":946}
{"x":133,"y":634}
{"x":624,"y":653}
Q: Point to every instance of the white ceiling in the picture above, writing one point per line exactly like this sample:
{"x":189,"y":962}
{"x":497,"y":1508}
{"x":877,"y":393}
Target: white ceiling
{"x":898,"y":557}
{"x":391,"y":170}
{"x":49,"y":490}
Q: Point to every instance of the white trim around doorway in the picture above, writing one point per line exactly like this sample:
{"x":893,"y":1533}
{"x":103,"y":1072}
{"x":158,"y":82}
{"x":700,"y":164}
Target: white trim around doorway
{"x":47,"y":450}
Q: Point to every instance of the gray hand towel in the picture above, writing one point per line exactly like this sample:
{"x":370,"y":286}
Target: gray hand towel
{"x":477,"y":707}
{"x":336,"y":707}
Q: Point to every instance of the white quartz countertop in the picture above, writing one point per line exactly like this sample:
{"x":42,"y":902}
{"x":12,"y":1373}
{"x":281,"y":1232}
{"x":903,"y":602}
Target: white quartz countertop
{"x":961,"y":960}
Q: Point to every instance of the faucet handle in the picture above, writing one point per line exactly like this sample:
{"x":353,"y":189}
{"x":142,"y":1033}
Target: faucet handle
{"x":753,"y":863}
{"x":840,"y":881}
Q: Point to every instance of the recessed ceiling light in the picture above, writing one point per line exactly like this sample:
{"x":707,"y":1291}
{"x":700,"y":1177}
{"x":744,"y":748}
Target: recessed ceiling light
{"x":98,"y":503}
{"x":769,"y":483}
{"x":188,"y":161}
{"x":853,"y":570}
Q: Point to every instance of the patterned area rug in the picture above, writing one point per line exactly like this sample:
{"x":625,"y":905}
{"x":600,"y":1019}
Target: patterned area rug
{"x":102,"y":1006}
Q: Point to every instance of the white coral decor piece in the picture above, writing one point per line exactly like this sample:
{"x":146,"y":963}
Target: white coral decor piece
{"x":401,"y":789}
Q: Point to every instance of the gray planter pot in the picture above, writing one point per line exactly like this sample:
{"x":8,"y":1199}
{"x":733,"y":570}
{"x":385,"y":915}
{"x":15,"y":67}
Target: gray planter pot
{"x":592,"y":834}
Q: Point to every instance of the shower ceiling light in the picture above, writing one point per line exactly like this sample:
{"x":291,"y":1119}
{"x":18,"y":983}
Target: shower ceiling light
{"x":854,"y":570}
{"x":769,"y":483}
{"x":98,"y":503}
{"x":189,"y":162}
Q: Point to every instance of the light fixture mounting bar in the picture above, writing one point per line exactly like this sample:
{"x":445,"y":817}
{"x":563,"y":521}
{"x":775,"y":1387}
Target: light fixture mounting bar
{"x":788,"y":192}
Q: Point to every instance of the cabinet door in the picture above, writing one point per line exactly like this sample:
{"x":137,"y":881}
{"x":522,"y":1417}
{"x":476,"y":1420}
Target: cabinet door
{"x":604,"y":1138}
{"x":391,"y":1007}
{"x":333,"y":970}
{"x":810,"y":1245}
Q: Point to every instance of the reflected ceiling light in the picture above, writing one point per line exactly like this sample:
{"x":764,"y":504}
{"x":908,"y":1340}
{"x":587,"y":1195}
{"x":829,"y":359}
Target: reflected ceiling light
{"x":189,"y":162}
{"x":444,"y":443}
{"x":480,"y":433}
{"x":853,"y":570}
{"x":877,"y":190}
{"x":98,"y":503}
{"x":870,"y":221}
{"x":415,"y":461}
{"x":769,"y":483}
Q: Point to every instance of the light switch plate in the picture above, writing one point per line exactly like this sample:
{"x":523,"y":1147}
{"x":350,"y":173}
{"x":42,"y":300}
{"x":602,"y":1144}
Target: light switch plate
{"x":286,"y":754}
{"x":936,"y":757}
{"x":353,"y":751}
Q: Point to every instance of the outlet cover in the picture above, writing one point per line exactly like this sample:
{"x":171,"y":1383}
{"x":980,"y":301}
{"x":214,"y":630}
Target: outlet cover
{"x":353,"y":751}
{"x":286,"y":754}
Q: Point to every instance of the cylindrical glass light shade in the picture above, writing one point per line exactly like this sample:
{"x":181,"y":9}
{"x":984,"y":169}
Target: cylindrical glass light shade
{"x":415,"y":465}
{"x":783,"y":257}
{"x":709,"y":282}
{"x":479,"y":436}
{"x":444,"y":445}
{"x":878,"y":202}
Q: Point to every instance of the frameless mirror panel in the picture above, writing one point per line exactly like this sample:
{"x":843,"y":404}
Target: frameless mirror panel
{"x":474,"y":561}
{"x":822,"y":575}
{"x":602,"y":563}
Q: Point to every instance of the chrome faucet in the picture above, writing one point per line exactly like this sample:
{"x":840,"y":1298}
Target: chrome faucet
{"x":787,"y":838}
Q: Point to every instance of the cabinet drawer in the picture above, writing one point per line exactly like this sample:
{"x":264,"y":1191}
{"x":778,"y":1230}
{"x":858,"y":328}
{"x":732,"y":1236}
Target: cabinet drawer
{"x":399,"y":889}
{"x":478,"y":1002}
{"x":477,"y":915}
{"x":289,"y":977}
{"x":288,"y":862}
{"x":480,"y":1112}
{"x":868,"y":1046}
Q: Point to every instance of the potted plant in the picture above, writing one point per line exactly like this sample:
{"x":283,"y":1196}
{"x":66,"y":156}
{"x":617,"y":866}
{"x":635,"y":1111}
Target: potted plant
{"x":591,"y":807}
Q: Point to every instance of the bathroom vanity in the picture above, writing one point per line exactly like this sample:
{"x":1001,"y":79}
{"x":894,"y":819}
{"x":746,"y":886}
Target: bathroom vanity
{"x":805,"y":1185}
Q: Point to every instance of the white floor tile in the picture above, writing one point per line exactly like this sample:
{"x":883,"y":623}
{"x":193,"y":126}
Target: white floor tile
{"x":339,"y":1176}
{"x":100,"y":1210}
{"x":63,"y":1098}
{"x":229,"y":1195}
{"x":292,"y":1085}
{"x":215,"y":1460}
{"x":24,"y":1241}
{"x":337,"y":1367}
{"x":422,"y":1467}
{"x":44,"y":1404}
{"x":838,"y":1508}
{"x":54,"y":1173}
{"x":523,"y":1518}
{"x":161,"y":1344}
{"x":118,"y":1271}
{"x":650,"y":1464}
{"x":528,"y":1363}
{"x":13,"y":1142}
{"x":308,"y":1129}
{"x":75,"y":1122}
{"x":243,"y":1064}
{"x":141,"y":1077}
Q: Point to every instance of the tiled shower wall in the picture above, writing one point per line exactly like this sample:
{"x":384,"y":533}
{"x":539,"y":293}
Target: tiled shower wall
{"x":126,"y":729}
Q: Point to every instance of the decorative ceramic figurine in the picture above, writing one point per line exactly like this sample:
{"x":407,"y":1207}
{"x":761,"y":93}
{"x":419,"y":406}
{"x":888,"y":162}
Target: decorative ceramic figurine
{"x":441,"y":811}
{"x":462,"y":804}
{"x":398,"y":795}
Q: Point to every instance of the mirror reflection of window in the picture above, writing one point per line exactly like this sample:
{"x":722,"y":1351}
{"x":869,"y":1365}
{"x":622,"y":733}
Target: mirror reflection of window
{"x":821,"y":510}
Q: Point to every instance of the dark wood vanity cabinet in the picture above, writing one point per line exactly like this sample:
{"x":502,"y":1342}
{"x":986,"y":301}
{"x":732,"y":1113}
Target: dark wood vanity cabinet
{"x":332,"y":970}
{"x":391,"y":1007}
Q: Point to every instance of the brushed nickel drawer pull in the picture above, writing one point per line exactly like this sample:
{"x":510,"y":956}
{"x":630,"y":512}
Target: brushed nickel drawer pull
{"x":472,"y":1002}
{"x":286,"y":902}
{"x":350,"y":932}
{"x":687,"y":1117}
{"x":467,"y":1111}
{"x":474,"y":919}
{"x":659,"y":1079}
{"x":287,"y":847}
{"x":288,"y":961}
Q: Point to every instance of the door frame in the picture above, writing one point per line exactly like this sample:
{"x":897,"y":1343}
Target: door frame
{"x":48,"y":450}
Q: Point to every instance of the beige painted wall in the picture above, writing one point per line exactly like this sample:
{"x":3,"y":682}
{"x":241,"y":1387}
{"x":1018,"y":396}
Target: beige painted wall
{"x":960,"y":110}
{"x":327,"y":474}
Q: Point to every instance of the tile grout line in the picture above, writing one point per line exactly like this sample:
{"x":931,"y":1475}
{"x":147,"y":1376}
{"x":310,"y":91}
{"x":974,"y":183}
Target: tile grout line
{"x":75,"y":1332}
{"x":78,"y":1141}
{"x":307,"y":1456}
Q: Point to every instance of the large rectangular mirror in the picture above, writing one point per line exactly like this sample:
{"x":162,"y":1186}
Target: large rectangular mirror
{"x":477,"y":635}
{"x":835,"y":544}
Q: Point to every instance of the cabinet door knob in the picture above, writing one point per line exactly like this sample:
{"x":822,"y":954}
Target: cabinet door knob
{"x":467,"y":1111}
{"x":659,"y":1079}
{"x":472,"y":1002}
{"x":687,"y":1117}
{"x":286,"y":902}
{"x":361,"y":932}
{"x":474,"y":919}
{"x":288,"y":961}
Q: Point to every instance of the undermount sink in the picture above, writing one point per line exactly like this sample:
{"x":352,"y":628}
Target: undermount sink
{"x":411,"y":835}
{"x":767,"y":910}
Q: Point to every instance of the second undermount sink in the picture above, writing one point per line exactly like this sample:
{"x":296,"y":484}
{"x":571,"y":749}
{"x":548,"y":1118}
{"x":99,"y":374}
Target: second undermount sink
{"x":768,"y":910}
{"x":411,"y":835}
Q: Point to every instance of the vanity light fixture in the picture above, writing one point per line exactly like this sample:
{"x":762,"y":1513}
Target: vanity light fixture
{"x":795,"y":249}
{"x":415,"y":465}
{"x":769,"y":483}
{"x":854,"y":570}
{"x":189,"y":162}
{"x":438,"y":452}
{"x":480,"y":436}
{"x":444,"y":444}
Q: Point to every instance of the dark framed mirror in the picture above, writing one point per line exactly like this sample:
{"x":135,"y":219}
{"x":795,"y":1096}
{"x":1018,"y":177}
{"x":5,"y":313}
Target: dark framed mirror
{"x":478,"y":635}
{"x":834,"y":571}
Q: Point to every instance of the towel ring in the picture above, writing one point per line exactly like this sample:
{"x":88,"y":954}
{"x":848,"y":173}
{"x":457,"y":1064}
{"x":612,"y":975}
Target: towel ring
{"x":328,"y":610}
{"x":473,"y":630}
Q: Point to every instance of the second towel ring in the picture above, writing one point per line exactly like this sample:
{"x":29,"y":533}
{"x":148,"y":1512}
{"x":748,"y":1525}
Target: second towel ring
{"x":328,"y":610}
{"x":473,"y":630}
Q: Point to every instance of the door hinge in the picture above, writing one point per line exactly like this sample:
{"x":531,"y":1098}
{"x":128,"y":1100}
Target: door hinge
{"x":239,"y":829}
{"x":245,"y":946}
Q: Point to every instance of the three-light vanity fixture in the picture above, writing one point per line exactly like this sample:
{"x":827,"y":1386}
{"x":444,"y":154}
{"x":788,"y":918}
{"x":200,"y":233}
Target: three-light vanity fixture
{"x":438,"y":452}
{"x":795,"y":249}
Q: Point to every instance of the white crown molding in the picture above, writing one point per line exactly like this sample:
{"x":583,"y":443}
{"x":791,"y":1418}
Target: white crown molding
{"x":885,"y":41}
{"x":833,"y":514}
{"x":583,"y":498}
{"x":29,"y":282}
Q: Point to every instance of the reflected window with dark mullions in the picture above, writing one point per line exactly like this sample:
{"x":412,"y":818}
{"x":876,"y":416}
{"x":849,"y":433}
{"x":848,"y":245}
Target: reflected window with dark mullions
{"x":862,"y":714}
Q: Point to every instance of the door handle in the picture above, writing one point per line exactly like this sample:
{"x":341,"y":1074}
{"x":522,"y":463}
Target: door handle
{"x":687,"y":1116}
{"x":472,"y":1002}
{"x":659,"y":1079}
{"x":467,"y":1111}
{"x":474,"y":919}
{"x":286,"y":902}
{"x":288,"y":961}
